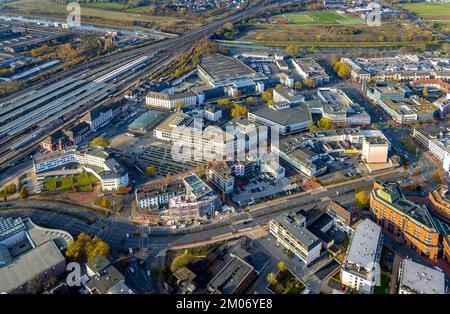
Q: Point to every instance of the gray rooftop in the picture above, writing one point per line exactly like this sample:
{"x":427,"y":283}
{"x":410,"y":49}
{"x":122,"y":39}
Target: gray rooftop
{"x":221,"y":67}
{"x":147,"y":120}
{"x":422,"y":279}
{"x":198,"y":187}
{"x":9,"y":226}
{"x":231,"y":276}
{"x":365,"y":244}
{"x":285,"y":117}
{"x":392,"y":195}
{"x":290,"y":223}
{"x":29,"y":265}
{"x":108,"y":278}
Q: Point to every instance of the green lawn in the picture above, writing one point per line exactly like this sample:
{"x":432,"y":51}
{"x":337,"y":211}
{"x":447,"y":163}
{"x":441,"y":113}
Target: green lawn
{"x":106,"y":5}
{"x":321,"y":17}
{"x":82,"y":183}
{"x":425,"y":8}
{"x":93,"y":10}
{"x":287,"y":283}
{"x":384,"y":287}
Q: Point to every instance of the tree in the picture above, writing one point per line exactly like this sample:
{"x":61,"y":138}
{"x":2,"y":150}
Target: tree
{"x":250,"y":100}
{"x":436,"y":177}
{"x":9,"y":189}
{"x":85,"y":247}
{"x":279,"y":86}
{"x":150,"y":171}
{"x":225,"y":103}
{"x":362,"y":200}
{"x":292,"y":50}
{"x":282,"y":266}
{"x":100,"y":142}
{"x":23,"y":193}
{"x":272,"y":279}
{"x":181,"y":261}
{"x":325,"y":123}
{"x":298,"y":85}
{"x":309,"y":83}
{"x":342,"y":69}
{"x":105,"y":202}
{"x":238,"y":111}
{"x":229,"y":26}
{"x":312,"y":127}
{"x":425,"y":92}
{"x":267,"y":95}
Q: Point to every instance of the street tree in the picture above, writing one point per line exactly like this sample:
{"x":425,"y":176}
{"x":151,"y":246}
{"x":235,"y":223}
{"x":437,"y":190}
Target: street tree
{"x":362,"y":200}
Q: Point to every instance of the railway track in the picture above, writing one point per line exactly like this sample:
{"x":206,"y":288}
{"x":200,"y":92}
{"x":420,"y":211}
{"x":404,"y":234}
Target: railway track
{"x":163,"y":51}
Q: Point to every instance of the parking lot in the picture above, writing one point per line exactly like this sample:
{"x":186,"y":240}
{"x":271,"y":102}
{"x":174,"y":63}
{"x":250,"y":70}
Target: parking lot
{"x":262,"y":188}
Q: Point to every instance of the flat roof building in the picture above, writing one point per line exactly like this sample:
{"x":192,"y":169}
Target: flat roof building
{"x":234,"y":278}
{"x":359,"y":270}
{"x":290,"y":231}
{"x":308,"y":68}
{"x":27,"y":252}
{"x":415,"y":278}
{"x":171,"y":101}
{"x":412,"y":222}
{"x":220,"y":70}
{"x":146,"y":122}
{"x":439,"y":199}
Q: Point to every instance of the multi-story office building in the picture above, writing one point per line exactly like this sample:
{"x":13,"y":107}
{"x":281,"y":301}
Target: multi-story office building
{"x":212,"y":113}
{"x":158,"y":194}
{"x":375,"y":150}
{"x":96,"y":161}
{"x":307,"y":68}
{"x":360,"y":269}
{"x":221,"y":175}
{"x":302,"y":153}
{"x":337,"y":106}
{"x":199,"y":201}
{"x":411,"y":222}
{"x":290,"y":231}
{"x":437,"y":141}
{"x":171,"y":101}
{"x":78,"y":132}
{"x":56,"y":141}
{"x":440,"y":202}
{"x":287,"y":96}
{"x":415,"y":278}
{"x":400,"y":67}
{"x":446,"y":248}
{"x":392,"y":99}
{"x":98,"y":117}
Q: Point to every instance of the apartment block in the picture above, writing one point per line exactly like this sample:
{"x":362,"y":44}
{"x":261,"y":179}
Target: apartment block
{"x":412,"y":223}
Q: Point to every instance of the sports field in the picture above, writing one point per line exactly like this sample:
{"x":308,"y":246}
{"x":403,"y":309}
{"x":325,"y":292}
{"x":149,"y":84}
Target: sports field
{"x":322,"y":17}
{"x":426,"y":9}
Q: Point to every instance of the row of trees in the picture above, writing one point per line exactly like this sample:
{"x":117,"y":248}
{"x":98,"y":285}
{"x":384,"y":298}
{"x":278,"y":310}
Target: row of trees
{"x":11,"y":189}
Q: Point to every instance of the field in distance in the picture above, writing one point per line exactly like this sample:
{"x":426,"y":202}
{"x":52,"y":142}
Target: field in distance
{"x":436,"y":15}
{"x":114,"y":14}
{"x":320,"y":17}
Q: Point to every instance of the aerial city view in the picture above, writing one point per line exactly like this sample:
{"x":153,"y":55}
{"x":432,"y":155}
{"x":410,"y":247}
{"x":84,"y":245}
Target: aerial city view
{"x":232,"y":147}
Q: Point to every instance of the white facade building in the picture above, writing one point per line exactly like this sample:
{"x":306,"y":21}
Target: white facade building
{"x":361,"y":269}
